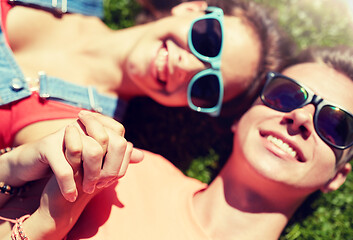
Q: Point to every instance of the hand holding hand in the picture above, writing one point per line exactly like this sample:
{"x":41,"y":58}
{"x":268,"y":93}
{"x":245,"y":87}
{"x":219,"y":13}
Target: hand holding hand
{"x":102,"y":171}
{"x":95,"y":142}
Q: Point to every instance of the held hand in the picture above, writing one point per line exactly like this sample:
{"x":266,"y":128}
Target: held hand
{"x":95,"y":142}
{"x":118,"y":153}
{"x":100,"y":148}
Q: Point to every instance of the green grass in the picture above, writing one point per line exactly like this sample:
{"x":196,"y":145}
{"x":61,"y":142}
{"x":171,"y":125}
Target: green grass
{"x":187,"y":139}
{"x":326,"y":216}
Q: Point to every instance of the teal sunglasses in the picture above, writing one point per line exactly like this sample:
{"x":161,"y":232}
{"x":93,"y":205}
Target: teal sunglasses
{"x":205,"y":40}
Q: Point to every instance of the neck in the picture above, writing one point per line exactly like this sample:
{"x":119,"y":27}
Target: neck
{"x":229,"y":209}
{"x":115,"y":47}
{"x":86,"y":51}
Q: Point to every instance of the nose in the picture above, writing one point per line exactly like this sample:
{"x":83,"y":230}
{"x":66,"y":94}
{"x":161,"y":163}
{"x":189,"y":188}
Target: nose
{"x":301,"y":121}
{"x":184,"y":65}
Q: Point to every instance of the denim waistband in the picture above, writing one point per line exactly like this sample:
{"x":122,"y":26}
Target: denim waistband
{"x":85,"y":7}
{"x":80,"y":96}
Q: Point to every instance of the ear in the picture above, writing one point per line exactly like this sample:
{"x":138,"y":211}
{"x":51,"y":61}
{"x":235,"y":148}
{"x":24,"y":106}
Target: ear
{"x":193,"y":6}
{"x":338,"y":179}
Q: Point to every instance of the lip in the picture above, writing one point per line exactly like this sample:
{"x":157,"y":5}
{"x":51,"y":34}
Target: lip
{"x":278,"y":151}
{"x":159,"y":65}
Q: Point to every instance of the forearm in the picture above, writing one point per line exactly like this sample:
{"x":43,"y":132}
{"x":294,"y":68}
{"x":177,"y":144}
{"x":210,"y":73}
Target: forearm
{"x":11,"y":205}
{"x":37,"y":227}
{"x":53,"y":219}
{"x":18,"y":206}
{"x":22,"y":164}
{"x":6,"y":177}
{"x":54,"y":224}
{"x":10,"y":169}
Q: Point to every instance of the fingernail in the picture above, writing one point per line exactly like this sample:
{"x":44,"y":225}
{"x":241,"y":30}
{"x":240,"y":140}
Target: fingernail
{"x":100,"y":184}
{"x":89,"y":190}
{"x":111,"y":182}
{"x":71,"y":197}
{"x":83,"y":112}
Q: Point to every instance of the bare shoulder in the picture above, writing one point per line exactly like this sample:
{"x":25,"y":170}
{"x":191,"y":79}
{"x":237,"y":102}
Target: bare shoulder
{"x":33,"y":26}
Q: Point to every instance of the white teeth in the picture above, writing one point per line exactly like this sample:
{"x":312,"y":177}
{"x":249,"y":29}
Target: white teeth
{"x":161,"y":61}
{"x":282,"y":145}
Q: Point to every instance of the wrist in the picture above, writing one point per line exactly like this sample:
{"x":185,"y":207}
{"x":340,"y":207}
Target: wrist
{"x":9,"y":160}
{"x":8,"y":182}
{"x":23,"y":164}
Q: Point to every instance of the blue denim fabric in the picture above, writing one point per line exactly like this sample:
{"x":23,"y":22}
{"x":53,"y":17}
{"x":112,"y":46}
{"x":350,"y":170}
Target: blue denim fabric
{"x":13,"y":85}
{"x":80,"y":96}
{"x":85,"y":7}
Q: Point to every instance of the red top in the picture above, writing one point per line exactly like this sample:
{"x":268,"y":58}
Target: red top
{"x":5,"y":8}
{"x":19,"y":114}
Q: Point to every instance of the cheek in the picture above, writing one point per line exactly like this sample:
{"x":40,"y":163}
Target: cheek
{"x":323,"y":167}
{"x":245,"y":131}
{"x":234,"y":82}
{"x":140,"y":57}
{"x":136,"y":65}
{"x":132,"y":70}
{"x":327,"y":161}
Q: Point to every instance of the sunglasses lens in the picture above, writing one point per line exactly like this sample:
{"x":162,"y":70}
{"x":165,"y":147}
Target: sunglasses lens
{"x":335,"y":125}
{"x":284,"y":95}
{"x":205,"y":91}
{"x":207,"y":37}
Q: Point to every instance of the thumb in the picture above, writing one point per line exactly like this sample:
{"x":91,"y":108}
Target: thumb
{"x":136,"y":156}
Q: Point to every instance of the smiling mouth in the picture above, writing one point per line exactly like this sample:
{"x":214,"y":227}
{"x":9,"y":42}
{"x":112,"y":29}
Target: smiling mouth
{"x":284,"y":147}
{"x":161,"y":64}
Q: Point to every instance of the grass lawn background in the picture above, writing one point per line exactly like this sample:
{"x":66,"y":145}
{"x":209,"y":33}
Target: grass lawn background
{"x":188,"y":140}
